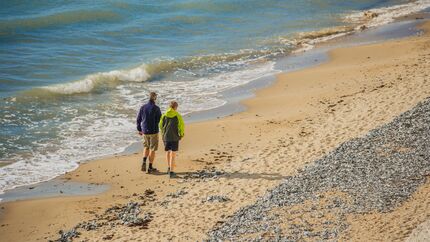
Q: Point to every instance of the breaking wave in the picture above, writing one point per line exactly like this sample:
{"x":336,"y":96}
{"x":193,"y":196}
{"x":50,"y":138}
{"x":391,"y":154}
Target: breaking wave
{"x":93,"y":81}
{"x":144,"y":72}
{"x":380,"y":16}
{"x":356,"y":21}
{"x":281,"y":46}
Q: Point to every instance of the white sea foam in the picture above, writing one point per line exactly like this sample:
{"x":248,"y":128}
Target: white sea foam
{"x":138,"y":74}
{"x":368,"y":18}
{"x":308,"y":44}
{"x":196,"y":95}
{"x":105,"y":132}
{"x":386,"y":15}
{"x":85,"y":137}
{"x":109,"y":130}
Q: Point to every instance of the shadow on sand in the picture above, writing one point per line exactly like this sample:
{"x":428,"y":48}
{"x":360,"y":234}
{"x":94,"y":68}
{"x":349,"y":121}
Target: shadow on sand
{"x":227,"y":175}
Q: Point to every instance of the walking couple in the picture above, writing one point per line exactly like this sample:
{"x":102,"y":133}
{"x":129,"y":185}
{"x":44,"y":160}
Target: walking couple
{"x":149,"y":122}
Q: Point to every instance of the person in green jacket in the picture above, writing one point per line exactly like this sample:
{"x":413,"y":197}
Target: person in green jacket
{"x":172,"y":130}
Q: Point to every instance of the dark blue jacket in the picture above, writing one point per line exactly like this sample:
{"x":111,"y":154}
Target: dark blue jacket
{"x":148,"y":118}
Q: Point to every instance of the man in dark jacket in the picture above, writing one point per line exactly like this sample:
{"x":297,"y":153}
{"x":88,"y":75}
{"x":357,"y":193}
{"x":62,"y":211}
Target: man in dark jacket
{"x":147,"y":125}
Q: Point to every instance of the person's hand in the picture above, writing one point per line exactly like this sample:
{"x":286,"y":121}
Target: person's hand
{"x":140,"y":133}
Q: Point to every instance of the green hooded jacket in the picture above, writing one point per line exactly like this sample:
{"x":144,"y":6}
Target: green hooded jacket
{"x":171,"y":125}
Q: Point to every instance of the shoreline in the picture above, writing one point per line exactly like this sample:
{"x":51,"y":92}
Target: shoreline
{"x":293,"y":62}
{"x":258,"y":114}
{"x":299,"y":61}
{"x":234,"y":96}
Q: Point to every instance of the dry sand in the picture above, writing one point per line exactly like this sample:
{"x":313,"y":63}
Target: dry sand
{"x":304,"y":115}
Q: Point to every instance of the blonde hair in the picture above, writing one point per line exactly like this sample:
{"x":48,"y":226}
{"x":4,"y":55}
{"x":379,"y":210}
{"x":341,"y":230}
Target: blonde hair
{"x":173,"y":104}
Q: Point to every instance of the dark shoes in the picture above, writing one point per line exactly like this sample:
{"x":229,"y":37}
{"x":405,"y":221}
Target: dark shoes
{"x":172,"y":174}
{"x":143,"y":168}
{"x":151,"y":170}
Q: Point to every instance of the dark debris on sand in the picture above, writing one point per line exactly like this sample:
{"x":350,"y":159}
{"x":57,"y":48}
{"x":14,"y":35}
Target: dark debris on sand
{"x":376,"y":172}
{"x":205,"y":174}
{"x":129,"y":215}
{"x":216,"y":198}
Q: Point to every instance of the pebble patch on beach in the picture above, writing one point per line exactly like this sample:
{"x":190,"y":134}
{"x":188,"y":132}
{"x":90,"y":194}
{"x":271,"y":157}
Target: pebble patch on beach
{"x":129,"y":215}
{"x":374,"y":173}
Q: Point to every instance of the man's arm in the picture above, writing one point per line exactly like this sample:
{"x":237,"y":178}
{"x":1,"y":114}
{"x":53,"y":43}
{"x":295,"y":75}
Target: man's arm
{"x":158,"y":115}
{"x":139,"y":120}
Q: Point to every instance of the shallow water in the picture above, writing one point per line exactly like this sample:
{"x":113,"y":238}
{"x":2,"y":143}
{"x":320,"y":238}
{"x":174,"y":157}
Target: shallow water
{"x":73,"y":74}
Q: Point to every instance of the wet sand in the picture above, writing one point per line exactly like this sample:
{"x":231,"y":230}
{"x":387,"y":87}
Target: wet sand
{"x":53,"y":188}
{"x":300,"y":118}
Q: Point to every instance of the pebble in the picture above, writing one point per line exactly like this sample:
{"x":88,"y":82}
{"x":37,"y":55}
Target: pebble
{"x":129,"y":215}
{"x":67,"y":236}
{"x":217,"y":198}
{"x":108,"y":237}
{"x":177,"y":194}
{"x":203,"y":175}
{"x":377,"y":172}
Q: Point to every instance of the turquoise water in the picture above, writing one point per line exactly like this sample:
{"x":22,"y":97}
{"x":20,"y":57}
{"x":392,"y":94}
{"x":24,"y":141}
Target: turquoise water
{"x":73,"y":73}
{"x":45,"y":42}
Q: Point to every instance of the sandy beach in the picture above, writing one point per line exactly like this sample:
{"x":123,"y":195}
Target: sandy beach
{"x":228,"y":163}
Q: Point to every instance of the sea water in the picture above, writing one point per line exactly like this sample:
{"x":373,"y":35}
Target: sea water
{"x":74,"y":73}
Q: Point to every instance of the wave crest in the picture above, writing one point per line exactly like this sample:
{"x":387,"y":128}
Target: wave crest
{"x":281,"y":46}
{"x":380,"y":16}
{"x":357,"y":21}
{"x":144,"y":72}
{"x":91,"y":82}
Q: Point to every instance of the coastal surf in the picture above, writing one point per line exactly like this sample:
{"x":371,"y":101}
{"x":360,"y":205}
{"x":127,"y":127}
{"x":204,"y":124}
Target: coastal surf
{"x":73,"y":75}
